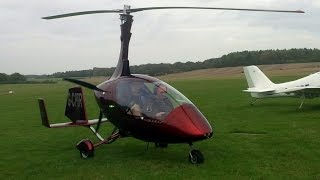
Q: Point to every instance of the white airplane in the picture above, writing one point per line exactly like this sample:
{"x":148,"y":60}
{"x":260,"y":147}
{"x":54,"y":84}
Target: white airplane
{"x":260,"y":86}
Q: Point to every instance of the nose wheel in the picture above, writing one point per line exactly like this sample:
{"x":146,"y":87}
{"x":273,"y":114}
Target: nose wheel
{"x":195,"y":156}
{"x":86,"y":148}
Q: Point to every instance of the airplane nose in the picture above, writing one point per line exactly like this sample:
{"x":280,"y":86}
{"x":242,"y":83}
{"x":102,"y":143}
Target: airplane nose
{"x":189,"y":120}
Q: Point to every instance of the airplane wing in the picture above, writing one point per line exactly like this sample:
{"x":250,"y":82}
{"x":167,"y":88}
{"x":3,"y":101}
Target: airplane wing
{"x":259,"y":90}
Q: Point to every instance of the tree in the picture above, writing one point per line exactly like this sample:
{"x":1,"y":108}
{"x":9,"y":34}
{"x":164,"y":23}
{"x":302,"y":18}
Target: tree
{"x":243,"y":58}
{"x":3,"y":77}
{"x":16,"y":77}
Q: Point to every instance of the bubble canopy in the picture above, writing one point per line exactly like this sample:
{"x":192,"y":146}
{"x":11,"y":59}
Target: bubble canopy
{"x":151,"y":101}
{"x":148,"y":97}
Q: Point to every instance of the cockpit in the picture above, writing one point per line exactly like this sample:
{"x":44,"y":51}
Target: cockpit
{"x":147,"y":97}
{"x":143,"y":101}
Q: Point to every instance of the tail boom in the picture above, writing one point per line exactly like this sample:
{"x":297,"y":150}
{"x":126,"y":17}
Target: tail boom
{"x":46,"y":123}
{"x":75,"y":111}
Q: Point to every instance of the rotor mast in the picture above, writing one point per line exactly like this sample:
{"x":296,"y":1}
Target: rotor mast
{"x":122,"y":68}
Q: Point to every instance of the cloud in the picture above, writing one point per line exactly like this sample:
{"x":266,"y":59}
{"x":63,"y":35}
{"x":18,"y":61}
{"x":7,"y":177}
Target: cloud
{"x":31,"y":45}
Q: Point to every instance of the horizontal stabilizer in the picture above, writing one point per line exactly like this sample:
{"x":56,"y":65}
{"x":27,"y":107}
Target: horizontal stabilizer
{"x":78,"y":123}
{"x":257,"y":90}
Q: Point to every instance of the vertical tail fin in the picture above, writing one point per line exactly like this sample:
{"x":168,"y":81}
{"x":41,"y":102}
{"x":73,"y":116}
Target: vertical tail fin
{"x":256,"y":78}
{"x":43,"y":113}
{"x":75,"y":107}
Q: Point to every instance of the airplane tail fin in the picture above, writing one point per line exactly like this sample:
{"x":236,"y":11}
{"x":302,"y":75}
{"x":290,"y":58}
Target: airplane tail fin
{"x":256,"y":78}
{"x":75,"y":107}
{"x":75,"y":111}
{"x":43,"y":113}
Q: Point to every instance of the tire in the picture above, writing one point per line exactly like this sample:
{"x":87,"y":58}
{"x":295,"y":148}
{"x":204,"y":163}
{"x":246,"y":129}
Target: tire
{"x":86,"y":149}
{"x":196,"y":157}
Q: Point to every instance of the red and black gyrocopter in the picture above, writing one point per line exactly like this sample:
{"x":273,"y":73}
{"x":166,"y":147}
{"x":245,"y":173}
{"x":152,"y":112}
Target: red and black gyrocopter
{"x":137,"y":105}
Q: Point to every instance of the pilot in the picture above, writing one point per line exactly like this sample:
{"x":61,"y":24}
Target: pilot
{"x":163,"y":103}
{"x":136,"y":99}
{"x":143,"y":103}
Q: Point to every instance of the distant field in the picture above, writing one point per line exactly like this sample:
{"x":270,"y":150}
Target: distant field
{"x":271,"y":140}
{"x":237,"y":72}
{"x":298,"y":69}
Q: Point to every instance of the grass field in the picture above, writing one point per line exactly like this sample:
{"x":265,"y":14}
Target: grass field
{"x":271,"y":140}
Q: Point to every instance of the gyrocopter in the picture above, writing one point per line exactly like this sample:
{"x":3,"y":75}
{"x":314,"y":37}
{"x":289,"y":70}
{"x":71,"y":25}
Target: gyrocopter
{"x":137,"y":105}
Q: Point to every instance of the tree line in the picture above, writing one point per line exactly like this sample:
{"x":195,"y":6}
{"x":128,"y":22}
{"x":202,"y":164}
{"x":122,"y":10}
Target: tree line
{"x":15,"y":77}
{"x":242,"y":58}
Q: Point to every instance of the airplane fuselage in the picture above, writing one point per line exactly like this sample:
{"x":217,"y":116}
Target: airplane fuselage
{"x":312,"y":80}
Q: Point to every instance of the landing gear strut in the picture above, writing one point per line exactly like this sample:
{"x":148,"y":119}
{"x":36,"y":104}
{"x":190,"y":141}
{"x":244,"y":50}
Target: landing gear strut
{"x":86,"y":147}
{"x":254,"y":101}
{"x":195,"y":156}
{"x":303,"y":97}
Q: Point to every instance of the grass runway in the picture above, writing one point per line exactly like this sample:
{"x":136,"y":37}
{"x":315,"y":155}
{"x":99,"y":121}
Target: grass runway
{"x":270,"y":140}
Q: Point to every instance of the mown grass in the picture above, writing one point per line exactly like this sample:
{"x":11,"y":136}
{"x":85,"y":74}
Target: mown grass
{"x":270,"y":140}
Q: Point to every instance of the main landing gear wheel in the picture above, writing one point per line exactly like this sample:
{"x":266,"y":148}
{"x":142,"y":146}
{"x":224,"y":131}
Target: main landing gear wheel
{"x":86,"y":148}
{"x":195,"y":156}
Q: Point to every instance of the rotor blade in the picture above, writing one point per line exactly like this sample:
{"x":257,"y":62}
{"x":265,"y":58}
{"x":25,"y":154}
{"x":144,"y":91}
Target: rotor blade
{"x":213,"y":8}
{"x":81,"y":13}
{"x":155,"y":8}
{"x":83,"y":83}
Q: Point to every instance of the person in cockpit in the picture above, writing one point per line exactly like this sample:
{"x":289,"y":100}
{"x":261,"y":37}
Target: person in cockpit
{"x":136,"y":101}
{"x":164,"y":105}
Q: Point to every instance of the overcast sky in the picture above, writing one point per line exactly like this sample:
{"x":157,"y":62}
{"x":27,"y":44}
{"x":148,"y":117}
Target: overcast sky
{"x":31,"y":45}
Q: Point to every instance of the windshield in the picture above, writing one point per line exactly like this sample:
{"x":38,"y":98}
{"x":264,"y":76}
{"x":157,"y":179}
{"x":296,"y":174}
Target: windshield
{"x":148,"y":98}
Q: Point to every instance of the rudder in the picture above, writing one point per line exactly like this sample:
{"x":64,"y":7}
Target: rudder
{"x":43,"y":113}
{"x":256,"y":78}
{"x":75,"y":106}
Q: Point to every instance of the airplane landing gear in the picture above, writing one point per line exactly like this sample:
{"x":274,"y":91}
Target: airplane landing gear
{"x":195,"y":156}
{"x":86,"y":148}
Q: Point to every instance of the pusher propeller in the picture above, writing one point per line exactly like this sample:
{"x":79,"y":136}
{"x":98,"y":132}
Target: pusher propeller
{"x":84,"y":84}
